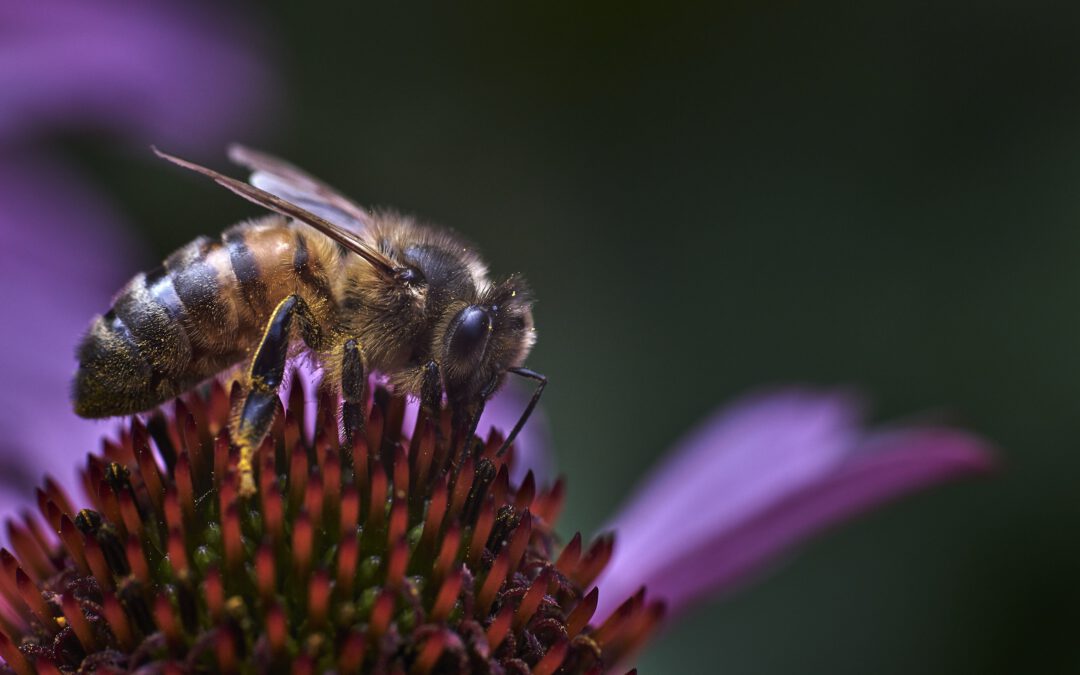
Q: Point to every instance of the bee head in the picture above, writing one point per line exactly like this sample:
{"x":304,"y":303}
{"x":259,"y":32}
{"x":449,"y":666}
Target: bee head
{"x":484,"y":338}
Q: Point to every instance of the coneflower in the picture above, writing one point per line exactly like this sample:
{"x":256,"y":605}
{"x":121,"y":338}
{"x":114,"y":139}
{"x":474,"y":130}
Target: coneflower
{"x":398,"y":553}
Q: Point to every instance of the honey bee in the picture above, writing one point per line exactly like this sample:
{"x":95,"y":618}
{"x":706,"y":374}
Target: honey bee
{"x":363,"y":291}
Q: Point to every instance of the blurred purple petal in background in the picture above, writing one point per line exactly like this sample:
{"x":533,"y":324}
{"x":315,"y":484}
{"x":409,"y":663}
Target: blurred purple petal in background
{"x":60,"y":247}
{"x":174,"y":73}
{"x":759,"y":478}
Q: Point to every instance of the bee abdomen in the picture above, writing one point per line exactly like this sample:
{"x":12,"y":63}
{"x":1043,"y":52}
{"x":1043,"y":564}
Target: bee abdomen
{"x":152,"y":309}
{"x":113,"y":377}
{"x":143,"y":351}
{"x":134,"y":355}
{"x":195,"y":315}
{"x":193,"y":275}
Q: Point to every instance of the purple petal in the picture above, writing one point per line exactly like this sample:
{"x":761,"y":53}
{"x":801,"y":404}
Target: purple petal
{"x":731,"y":468}
{"x":172,"y":73}
{"x":760,"y":479}
{"x":61,"y":249}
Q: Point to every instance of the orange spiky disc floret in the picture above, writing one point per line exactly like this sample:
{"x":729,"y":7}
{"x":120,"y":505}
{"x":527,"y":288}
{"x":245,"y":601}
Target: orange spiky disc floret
{"x":396,"y":554}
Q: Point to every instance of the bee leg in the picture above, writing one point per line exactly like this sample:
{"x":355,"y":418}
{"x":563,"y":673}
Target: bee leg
{"x":264,"y":379}
{"x":353,"y":389}
{"x":467,"y":419}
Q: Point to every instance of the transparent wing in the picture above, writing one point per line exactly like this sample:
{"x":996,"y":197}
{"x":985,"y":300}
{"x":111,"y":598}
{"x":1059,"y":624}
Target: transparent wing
{"x":347,"y":237}
{"x":294,"y":185}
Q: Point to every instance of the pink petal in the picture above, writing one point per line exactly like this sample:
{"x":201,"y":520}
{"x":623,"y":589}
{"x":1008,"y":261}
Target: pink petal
{"x":714,"y":521}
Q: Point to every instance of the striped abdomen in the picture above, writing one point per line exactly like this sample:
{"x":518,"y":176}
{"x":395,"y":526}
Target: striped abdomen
{"x":196,"y":315}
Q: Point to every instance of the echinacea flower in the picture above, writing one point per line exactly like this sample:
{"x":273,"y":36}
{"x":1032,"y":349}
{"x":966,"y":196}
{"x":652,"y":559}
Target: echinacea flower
{"x":402,"y":552}
{"x":142,"y":72}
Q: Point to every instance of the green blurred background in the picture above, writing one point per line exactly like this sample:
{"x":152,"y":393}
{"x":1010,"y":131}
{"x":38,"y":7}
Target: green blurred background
{"x":711,"y":199}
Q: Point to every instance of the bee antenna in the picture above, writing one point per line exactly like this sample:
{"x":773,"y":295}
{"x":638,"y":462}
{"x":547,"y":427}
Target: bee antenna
{"x":532,"y":375}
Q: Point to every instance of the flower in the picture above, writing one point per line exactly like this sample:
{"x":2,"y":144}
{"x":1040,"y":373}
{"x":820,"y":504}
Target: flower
{"x":173,"y":72}
{"x":401,"y":553}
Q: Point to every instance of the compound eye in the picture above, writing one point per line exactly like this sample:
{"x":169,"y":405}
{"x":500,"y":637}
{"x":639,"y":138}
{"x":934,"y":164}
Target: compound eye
{"x":469,"y":333}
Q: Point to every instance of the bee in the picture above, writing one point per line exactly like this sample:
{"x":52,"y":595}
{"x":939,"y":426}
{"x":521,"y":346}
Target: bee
{"x":361,"y":291}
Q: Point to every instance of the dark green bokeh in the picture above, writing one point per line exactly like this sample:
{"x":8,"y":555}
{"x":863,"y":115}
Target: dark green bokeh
{"x":709,"y":200}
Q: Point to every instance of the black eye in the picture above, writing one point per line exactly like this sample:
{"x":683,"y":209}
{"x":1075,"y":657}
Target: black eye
{"x":469,"y":333}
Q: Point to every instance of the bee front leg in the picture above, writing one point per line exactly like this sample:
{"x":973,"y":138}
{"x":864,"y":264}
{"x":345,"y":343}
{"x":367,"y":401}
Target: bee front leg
{"x":264,"y":379}
{"x":466,"y":418}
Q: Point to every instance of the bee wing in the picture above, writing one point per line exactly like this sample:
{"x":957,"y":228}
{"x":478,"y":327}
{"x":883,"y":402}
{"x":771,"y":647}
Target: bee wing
{"x":350,"y":239}
{"x":292,"y":184}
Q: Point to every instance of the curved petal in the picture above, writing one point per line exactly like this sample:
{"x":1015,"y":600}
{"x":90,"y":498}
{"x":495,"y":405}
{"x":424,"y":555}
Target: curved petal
{"x":173,"y":73}
{"x":712,"y":520}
